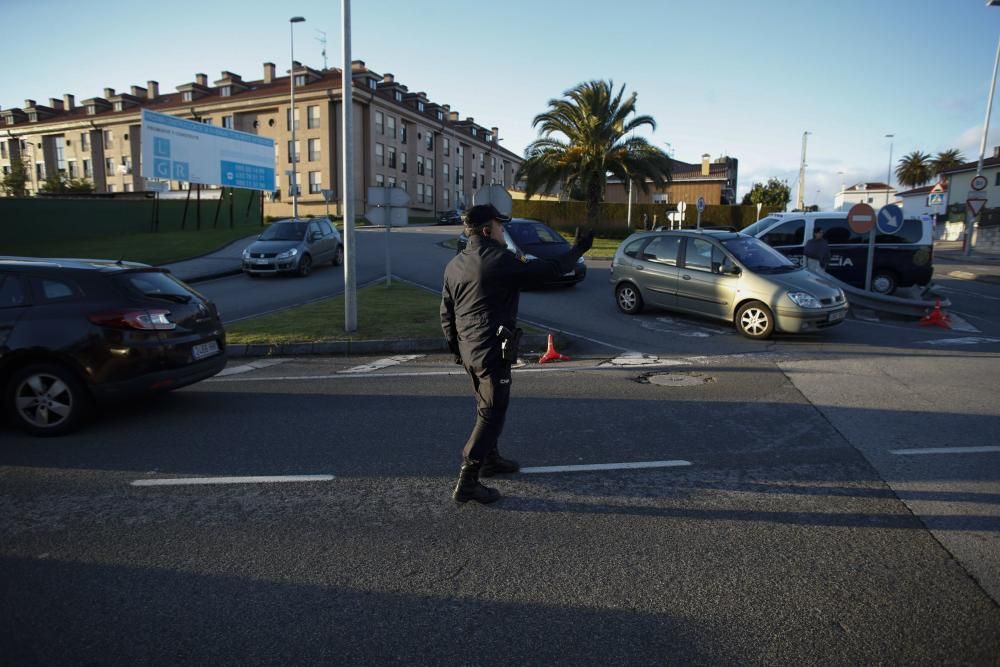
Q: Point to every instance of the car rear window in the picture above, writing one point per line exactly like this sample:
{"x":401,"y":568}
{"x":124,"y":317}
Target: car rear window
{"x":155,"y":284}
{"x":533,"y":233}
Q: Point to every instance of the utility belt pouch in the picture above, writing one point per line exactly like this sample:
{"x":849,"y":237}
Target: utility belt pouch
{"x":510,"y":342}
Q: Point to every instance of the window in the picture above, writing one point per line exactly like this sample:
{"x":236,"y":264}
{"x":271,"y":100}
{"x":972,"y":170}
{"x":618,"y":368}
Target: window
{"x":127,"y":163}
{"x":293,"y":151}
{"x":3,"y":150}
{"x":60,"y":153}
{"x":109,"y":166}
{"x":420,"y":106}
{"x":226,"y":91}
{"x":227,"y":122}
{"x":109,"y":138}
{"x":300,"y":80}
{"x":373,"y":84}
{"x":429,"y":163}
{"x":127,"y":187}
{"x":88,"y":169}
{"x":662,"y":250}
{"x":459,"y":150}
{"x":297,"y":182}
{"x":288,"y":118}
{"x":39,"y":171}
{"x":446,"y":197}
{"x":447,"y":146}
{"x":12,"y":292}
{"x":71,"y":169}
{"x":380,"y":155}
{"x":206,"y":121}
{"x":398,"y":96}
{"x":420,"y":193}
{"x":785,"y":234}
{"x":429,"y":140}
{"x":440,"y":115}
{"x":85,"y":141}
{"x":379,"y":122}
{"x":493,"y":165}
{"x":325,"y":227}
{"x":392,"y":181}
{"x":91,"y":109}
{"x":632,"y":249}
{"x":402,"y":162}
{"x":111,"y":187}
{"x":702,"y":254}
{"x":390,"y":126}
{"x":444,"y":171}
{"x":458,"y":175}
{"x":392,"y":157}
{"x":911,"y":231}
{"x":379,"y":180}
{"x":997,"y":180}
{"x":474,"y":184}
{"x":187,"y":96}
{"x":314,"y":150}
{"x":482,"y":160}
{"x":402,"y":132}
{"x":314,"y":182}
{"x":420,"y":165}
{"x":312,"y":117}
{"x":403,"y":185}
{"x":428,"y":194}
{"x":474,"y":132}
{"x":56,"y":290}
{"x":119,"y":106}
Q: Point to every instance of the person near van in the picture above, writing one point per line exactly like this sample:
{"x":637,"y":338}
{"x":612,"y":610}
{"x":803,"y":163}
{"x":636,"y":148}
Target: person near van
{"x":817,"y":251}
{"x":479,"y":302}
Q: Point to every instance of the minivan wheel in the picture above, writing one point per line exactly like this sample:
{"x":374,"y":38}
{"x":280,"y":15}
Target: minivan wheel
{"x":305,"y":266}
{"x":338,"y":257}
{"x":755,"y":320}
{"x":628,"y":298}
{"x":47,"y":399}
{"x":884,"y":282}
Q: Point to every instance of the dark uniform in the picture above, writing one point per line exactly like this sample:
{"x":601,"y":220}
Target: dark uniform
{"x":481,"y":290}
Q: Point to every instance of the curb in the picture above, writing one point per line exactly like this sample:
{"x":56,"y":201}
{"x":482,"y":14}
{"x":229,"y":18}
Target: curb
{"x":210,"y":276}
{"x":356,"y":347}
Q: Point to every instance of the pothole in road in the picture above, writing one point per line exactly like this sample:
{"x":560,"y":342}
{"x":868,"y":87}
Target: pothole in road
{"x":676,"y":380}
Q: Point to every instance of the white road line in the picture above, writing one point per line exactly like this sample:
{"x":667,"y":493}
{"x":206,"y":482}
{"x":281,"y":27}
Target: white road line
{"x":194,"y":481}
{"x":959,"y":323}
{"x":968,"y":340}
{"x":608,"y":466}
{"x":382,"y":363}
{"x":252,"y":366}
{"x":944,"y":450}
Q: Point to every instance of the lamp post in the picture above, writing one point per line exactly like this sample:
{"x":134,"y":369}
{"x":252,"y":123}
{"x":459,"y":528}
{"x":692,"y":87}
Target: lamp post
{"x":294,"y":185}
{"x":800,"y":200}
{"x":888,"y":178}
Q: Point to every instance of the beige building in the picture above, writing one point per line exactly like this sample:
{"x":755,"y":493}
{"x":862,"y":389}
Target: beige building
{"x":401,"y":138}
{"x":715,"y":181}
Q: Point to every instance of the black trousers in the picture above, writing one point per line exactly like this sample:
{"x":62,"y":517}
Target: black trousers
{"x":492,"y":387}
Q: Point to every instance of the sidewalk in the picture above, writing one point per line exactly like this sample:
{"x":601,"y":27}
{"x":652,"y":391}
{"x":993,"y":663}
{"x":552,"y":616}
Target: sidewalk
{"x":225,"y":261}
{"x":950,"y":262}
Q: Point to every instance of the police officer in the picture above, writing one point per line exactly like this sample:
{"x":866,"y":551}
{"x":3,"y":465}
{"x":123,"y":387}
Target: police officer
{"x":478,"y":314}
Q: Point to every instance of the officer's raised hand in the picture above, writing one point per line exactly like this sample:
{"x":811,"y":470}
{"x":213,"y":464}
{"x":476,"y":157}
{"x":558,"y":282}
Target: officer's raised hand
{"x":584,"y":240}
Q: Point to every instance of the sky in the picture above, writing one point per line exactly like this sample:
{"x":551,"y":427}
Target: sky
{"x":723,"y":77}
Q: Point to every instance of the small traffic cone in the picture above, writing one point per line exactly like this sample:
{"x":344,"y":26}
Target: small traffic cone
{"x":551,"y":354}
{"x":936,"y":317}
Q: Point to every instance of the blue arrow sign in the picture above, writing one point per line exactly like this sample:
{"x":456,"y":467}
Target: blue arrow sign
{"x":890,"y":219}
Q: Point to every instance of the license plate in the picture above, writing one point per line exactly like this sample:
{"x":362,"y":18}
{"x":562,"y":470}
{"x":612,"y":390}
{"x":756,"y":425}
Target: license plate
{"x":260,"y":262}
{"x":205,"y":350}
{"x":837,"y":316}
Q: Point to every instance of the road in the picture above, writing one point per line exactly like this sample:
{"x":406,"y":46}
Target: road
{"x":823,"y":500}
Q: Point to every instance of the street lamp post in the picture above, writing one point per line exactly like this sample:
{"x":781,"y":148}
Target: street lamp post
{"x":800,"y":200}
{"x":888,"y":178}
{"x":294,"y":185}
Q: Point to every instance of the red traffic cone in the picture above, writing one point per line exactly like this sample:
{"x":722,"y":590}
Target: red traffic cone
{"x":551,"y":354}
{"x":936,"y":317}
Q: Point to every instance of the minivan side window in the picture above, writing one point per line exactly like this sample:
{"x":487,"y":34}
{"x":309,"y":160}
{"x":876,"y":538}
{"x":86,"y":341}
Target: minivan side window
{"x":703,"y":255}
{"x":787,"y":233}
{"x":58,"y":290}
{"x":911,"y":231}
{"x":662,"y":250}
{"x":837,"y":232}
{"x":11,"y":292}
{"x":325,"y":226}
{"x":632,"y":249}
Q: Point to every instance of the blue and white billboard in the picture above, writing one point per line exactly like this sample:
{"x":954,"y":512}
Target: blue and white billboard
{"x":176,"y":149}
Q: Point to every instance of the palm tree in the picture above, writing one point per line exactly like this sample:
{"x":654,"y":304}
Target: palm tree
{"x":914,"y":169}
{"x":594,"y":123}
{"x":946,"y":160}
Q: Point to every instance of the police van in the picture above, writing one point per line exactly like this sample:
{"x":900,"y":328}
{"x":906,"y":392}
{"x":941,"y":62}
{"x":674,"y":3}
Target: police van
{"x":902,"y":259}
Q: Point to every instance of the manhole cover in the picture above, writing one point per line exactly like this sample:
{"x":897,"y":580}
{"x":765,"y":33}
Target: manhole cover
{"x":676,"y":379}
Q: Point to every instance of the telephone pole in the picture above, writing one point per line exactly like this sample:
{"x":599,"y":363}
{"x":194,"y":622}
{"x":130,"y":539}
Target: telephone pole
{"x":800,"y":200}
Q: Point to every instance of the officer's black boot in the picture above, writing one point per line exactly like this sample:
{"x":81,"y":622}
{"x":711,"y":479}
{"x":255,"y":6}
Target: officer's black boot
{"x":494,"y":464}
{"x":469,"y":488}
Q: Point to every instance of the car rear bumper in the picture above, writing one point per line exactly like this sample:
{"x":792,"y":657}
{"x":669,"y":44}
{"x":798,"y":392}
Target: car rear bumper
{"x":788,"y":320}
{"x":167,"y":380}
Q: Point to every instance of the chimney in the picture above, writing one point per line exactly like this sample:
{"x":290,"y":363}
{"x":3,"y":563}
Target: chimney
{"x":109,"y":93}
{"x":154,"y":89}
{"x":138,"y":91}
{"x":470,"y":119}
{"x":29,"y":103}
{"x":446,"y":108}
{"x":358,"y":66}
{"x":69,"y":102}
{"x":56,"y":103}
{"x":704,"y":164}
{"x":388,"y":78}
{"x":495,"y":131}
{"x":268,"y":72}
{"x":201,"y":79}
{"x":996,"y":151}
{"x":453,"y":116}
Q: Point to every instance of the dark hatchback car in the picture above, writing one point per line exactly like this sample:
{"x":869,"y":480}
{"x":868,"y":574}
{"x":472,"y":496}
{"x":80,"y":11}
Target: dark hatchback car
{"x":532,"y":239}
{"x":75,"y":332}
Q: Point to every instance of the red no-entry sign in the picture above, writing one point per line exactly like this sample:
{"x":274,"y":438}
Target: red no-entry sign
{"x":861,"y":218}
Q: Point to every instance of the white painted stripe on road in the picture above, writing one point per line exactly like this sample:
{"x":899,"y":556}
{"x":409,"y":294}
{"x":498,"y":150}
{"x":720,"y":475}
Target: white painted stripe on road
{"x":382,"y":363}
{"x":608,"y":466}
{"x":944,"y":450}
{"x":959,"y":323}
{"x":252,"y":366}
{"x":968,"y":340}
{"x":195,"y":481}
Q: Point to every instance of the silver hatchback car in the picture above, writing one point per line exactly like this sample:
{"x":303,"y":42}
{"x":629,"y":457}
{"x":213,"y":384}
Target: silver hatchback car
{"x":727,"y":276}
{"x":294,"y":246}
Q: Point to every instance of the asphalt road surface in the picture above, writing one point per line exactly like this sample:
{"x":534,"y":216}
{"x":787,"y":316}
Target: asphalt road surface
{"x":823,"y":500}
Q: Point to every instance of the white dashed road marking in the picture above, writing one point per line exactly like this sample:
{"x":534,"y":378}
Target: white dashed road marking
{"x":944,"y":450}
{"x":195,"y":481}
{"x":607,"y":466}
{"x":639,"y":359}
{"x":252,"y":366}
{"x":968,"y":340}
{"x":383,"y":363}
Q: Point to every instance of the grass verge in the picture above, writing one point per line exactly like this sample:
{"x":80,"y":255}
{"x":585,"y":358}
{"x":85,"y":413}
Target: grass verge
{"x":147,"y":247}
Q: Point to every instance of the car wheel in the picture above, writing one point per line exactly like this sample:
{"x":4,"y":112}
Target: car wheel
{"x":305,"y":266}
{"x":628,"y":298}
{"x":47,"y":399}
{"x":884,"y":282}
{"x":338,"y":257}
{"x":755,"y":320}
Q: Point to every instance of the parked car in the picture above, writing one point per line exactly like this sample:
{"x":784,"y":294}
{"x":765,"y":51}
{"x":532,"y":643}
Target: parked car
{"x":723,"y":275}
{"x":453,"y":217}
{"x":902,"y":259}
{"x":532,"y":239}
{"x":77,"y":331}
{"x":294,"y":246}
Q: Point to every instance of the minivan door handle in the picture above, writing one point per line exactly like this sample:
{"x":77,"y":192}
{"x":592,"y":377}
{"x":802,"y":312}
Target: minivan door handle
{"x":637,"y":267}
{"x":686,"y":277}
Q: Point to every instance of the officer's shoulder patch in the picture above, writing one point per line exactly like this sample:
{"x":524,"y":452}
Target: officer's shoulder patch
{"x":524,"y":260}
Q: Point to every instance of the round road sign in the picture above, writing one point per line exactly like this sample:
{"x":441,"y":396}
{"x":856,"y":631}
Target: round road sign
{"x":890,"y":219}
{"x":701,"y":204}
{"x":861,"y":218}
{"x":979,"y":182}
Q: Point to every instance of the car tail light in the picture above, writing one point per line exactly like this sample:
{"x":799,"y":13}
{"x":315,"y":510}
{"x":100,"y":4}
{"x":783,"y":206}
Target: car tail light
{"x":144,"y":320}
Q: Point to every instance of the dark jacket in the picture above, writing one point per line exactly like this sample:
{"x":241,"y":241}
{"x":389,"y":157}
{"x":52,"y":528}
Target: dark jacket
{"x":819,"y":250}
{"x":482,"y":285}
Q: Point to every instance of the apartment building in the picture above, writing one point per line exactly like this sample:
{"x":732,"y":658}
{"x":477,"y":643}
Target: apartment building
{"x":401,"y":138}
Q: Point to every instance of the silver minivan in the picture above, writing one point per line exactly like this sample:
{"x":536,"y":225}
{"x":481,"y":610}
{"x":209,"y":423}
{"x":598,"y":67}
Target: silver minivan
{"x":723,"y":275}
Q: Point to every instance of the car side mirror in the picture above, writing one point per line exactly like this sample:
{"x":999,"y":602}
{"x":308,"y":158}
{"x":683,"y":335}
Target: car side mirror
{"x":729,"y":268}
{"x":315,"y":236}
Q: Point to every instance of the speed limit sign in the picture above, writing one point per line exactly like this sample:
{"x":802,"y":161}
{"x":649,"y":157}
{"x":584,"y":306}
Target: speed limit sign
{"x":979,"y":182}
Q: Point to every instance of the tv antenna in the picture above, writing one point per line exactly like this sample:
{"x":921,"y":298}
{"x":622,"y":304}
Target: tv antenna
{"x":322,"y":40}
